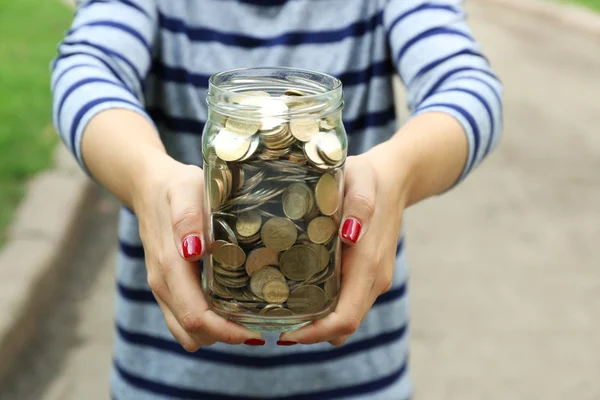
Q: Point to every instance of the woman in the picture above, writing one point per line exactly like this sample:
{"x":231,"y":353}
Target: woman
{"x":129,"y":85}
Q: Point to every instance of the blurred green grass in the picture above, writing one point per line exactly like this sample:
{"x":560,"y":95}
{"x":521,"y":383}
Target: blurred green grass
{"x":29,"y":32}
{"x":594,"y":4}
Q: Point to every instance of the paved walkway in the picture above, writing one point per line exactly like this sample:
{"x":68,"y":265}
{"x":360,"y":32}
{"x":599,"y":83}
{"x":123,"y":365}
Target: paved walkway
{"x":505,"y":296}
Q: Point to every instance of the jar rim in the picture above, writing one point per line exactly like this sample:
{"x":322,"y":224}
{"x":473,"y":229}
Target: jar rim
{"x":320,"y":88}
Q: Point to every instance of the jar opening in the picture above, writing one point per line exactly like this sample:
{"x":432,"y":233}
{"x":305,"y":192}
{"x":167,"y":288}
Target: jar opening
{"x":275,"y":92}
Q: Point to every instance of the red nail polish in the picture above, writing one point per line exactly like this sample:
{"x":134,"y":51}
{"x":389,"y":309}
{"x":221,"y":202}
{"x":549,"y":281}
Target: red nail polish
{"x":351,"y":230}
{"x":192,"y":246}
{"x":285,"y":343}
{"x":255,"y":342}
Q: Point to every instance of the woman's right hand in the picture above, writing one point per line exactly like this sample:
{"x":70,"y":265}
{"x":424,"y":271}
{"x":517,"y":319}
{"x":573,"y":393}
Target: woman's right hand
{"x":168,"y":202}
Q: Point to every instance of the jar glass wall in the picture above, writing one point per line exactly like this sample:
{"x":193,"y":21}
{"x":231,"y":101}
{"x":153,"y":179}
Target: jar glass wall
{"x":274,"y":149}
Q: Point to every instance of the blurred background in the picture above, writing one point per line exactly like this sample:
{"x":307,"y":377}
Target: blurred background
{"x":512,"y":309}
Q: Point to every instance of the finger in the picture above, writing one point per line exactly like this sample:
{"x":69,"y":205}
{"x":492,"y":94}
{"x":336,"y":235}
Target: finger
{"x":358,"y":278}
{"x":359,"y":202}
{"x":186,"y":202}
{"x":190,"y":308}
{"x":188,"y":342}
{"x":339,"y":341}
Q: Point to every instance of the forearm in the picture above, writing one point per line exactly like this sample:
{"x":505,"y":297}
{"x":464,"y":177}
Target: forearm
{"x":424,"y":158}
{"x":121,"y":150}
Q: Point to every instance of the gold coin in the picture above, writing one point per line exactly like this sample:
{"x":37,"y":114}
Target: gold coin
{"x":326,"y":125}
{"x":260,"y":258}
{"x":230,"y":255}
{"x":275,"y":291}
{"x":278,"y":312}
{"x":225,"y":230}
{"x":296,"y":200}
{"x":230,"y":146}
{"x":216,"y":193}
{"x":321,"y":229}
{"x":306,"y":299}
{"x":232,"y":282}
{"x":322,"y":254}
{"x":218,"y":269}
{"x":311,"y":153}
{"x":237,"y":178}
{"x":220,"y":290}
{"x":248,"y":223}
{"x":294,"y":92}
{"x":299,"y":263}
{"x":216,"y":245}
{"x":330,"y":148}
{"x":327,"y":194}
{"x":304,"y":129}
{"x":261,"y":277}
{"x":279,"y":233}
{"x":242,"y":127}
{"x":254,"y":142}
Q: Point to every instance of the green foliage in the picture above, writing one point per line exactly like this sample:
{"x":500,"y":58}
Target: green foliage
{"x":30,"y":31}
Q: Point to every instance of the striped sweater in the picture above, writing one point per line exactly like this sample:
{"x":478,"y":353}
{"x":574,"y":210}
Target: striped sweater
{"x":155,"y":57}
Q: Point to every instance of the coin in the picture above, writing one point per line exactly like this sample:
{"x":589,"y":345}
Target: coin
{"x":220,"y":290}
{"x":230,"y":255}
{"x":261,"y":277}
{"x":311,"y":153}
{"x":329,"y":148}
{"x":260,"y":258}
{"x":215,"y":192}
{"x":238,"y":175}
{"x":279,"y":233}
{"x":294,"y":92}
{"x":232,"y":282}
{"x":306,"y":299}
{"x":243,"y":127}
{"x":275,"y":291}
{"x":322,"y":254}
{"x":221,"y":226}
{"x":299,"y":263}
{"x":321,"y":230}
{"x":304,"y":128}
{"x":248,"y":223}
{"x":327,"y":194}
{"x":216,"y":245}
{"x":228,"y":273}
{"x":254,"y":142}
{"x":230,"y":146}
{"x":297,"y":200}
{"x":279,"y":312}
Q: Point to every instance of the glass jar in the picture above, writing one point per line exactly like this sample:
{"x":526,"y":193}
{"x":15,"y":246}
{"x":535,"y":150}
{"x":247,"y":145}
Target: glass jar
{"x":274,"y":149}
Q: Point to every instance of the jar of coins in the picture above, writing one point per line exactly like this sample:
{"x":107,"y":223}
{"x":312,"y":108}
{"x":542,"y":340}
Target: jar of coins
{"x":274,"y":149}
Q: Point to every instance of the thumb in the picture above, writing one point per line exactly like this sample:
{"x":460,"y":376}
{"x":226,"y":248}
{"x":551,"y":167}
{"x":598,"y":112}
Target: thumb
{"x":359,"y":200}
{"x":186,"y":204}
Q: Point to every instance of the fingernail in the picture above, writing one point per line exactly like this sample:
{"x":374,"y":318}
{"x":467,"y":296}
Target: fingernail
{"x":255,"y":342}
{"x":192,"y":246}
{"x":286,"y":343}
{"x":351,"y":230}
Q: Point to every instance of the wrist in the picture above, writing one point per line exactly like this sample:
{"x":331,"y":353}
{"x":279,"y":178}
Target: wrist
{"x":150,"y":176}
{"x":394,"y":171}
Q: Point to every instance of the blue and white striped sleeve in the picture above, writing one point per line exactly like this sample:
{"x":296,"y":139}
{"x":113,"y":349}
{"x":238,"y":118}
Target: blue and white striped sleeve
{"x":444,"y":70}
{"x":101,"y":63}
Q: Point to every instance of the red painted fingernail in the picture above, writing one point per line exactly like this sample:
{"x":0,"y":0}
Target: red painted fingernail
{"x":351,"y":230}
{"x":286,"y":343}
{"x":255,"y":342}
{"x":192,"y":246}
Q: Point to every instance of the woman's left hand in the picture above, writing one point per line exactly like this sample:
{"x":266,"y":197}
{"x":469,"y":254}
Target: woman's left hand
{"x":374,"y":201}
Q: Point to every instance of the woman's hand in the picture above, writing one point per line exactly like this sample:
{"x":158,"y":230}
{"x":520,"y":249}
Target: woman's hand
{"x":371,"y":224}
{"x":169,"y":207}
